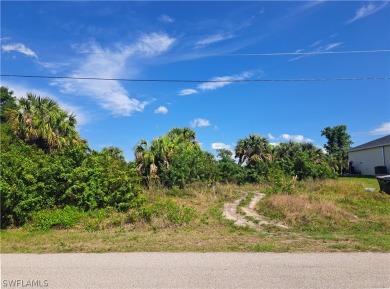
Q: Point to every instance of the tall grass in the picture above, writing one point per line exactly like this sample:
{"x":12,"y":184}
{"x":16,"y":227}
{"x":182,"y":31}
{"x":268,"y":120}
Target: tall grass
{"x":306,"y":210}
{"x":342,"y":204}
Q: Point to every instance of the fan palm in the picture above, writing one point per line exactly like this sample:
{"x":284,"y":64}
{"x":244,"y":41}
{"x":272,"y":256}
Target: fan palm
{"x":42,"y":121}
{"x":145,"y":160}
{"x":182,"y":135}
{"x":253,"y":148}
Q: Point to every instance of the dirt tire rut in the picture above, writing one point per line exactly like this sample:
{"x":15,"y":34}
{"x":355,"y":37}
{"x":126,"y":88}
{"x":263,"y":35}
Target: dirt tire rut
{"x":250,"y":217}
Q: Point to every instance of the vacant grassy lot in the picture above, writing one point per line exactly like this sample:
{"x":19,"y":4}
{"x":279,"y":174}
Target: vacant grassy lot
{"x":323,"y":216}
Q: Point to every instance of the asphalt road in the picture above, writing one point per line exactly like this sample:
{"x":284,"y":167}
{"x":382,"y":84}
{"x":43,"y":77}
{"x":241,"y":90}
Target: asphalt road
{"x":196,"y":270}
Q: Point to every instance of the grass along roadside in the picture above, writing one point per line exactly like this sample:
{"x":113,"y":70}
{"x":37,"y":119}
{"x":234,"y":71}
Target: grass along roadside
{"x":323,"y":216}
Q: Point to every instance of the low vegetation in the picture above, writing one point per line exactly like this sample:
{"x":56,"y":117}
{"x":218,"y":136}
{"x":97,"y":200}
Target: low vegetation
{"x":58,"y":195}
{"x":322,"y":216}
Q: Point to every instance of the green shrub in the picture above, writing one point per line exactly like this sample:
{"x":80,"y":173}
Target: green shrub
{"x":189,"y":164}
{"x":169,"y":212}
{"x":228,"y":170}
{"x":64,"y":218}
{"x":104,"y":180}
{"x":279,"y":182}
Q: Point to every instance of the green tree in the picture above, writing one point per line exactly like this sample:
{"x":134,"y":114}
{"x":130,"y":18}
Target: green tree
{"x":145,"y":160}
{"x":338,"y":143}
{"x":7,"y":101}
{"x":41,"y":121}
{"x":229,"y":171}
{"x":301,"y":159}
{"x":253,"y":148}
{"x":189,"y":164}
{"x":174,"y":159}
{"x":178,"y":135}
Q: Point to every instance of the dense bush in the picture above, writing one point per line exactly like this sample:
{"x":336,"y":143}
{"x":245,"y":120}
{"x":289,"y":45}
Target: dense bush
{"x":228,"y":170}
{"x":104,"y":179}
{"x":30,"y":178}
{"x":279,"y":181}
{"x":189,"y":165}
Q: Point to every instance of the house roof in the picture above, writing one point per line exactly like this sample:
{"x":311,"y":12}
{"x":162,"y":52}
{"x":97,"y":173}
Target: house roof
{"x":383,"y":141}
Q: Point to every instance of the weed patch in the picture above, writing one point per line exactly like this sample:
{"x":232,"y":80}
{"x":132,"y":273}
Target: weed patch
{"x":304,"y":210}
{"x":65,"y":218}
{"x":167,"y":212}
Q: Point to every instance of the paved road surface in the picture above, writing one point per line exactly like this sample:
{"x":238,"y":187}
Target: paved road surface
{"x":196,"y":270}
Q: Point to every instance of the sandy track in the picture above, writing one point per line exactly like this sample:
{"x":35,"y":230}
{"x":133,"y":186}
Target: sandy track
{"x":250,"y":218}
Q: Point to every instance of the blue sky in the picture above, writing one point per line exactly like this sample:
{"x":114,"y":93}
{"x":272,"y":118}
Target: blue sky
{"x":182,"y":40}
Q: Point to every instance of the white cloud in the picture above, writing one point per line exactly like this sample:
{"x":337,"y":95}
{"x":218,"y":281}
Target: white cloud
{"x":166,"y":19}
{"x":366,"y":10}
{"x":161,"y":110}
{"x":200,"y":122}
{"x":187,"y":91}
{"x":152,"y":44}
{"x":213,"y":39}
{"x":288,"y":137}
{"x":101,"y":63}
{"x":19,"y":47}
{"x":384,"y":128}
{"x":109,"y":94}
{"x":220,"y":145}
{"x":221,"y":81}
{"x":295,"y":138}
{"x":53,"y":67}
{"x":270,"y":136}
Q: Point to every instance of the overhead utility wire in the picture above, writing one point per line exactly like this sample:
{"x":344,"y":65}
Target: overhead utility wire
{"x":199,"y":81}
{"x":245,"y":54}
{"x":310,"y":52}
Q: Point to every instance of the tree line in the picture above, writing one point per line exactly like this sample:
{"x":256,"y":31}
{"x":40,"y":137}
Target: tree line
{"x":46,"y":164}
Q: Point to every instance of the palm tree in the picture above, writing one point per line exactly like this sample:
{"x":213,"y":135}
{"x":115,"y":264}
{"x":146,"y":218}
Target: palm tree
{"x":316,"y":155}
{"x":286,"y":150}
{"x":114,"y":153}
{"x":41,"y":121}
{"x":290,"y":150}
{"x":253,"y":148}
{"x":163,"y":149}
{"x":182,"y":135}
{"x":145,"y":160}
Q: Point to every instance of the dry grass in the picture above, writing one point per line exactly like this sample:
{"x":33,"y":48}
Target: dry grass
{"x":307,"y":210}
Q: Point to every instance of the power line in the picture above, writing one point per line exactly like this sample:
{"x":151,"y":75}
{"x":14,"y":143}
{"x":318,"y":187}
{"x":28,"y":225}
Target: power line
{"x":200,"y":81}
{"x":310,"y":53}
{"x":243,"y":54}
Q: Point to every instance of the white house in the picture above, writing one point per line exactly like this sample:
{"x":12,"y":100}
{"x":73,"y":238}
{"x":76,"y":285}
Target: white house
{"x":373,"y":154}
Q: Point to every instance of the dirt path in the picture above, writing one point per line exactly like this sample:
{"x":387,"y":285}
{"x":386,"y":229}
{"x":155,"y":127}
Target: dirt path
{"x":249,"y":217}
